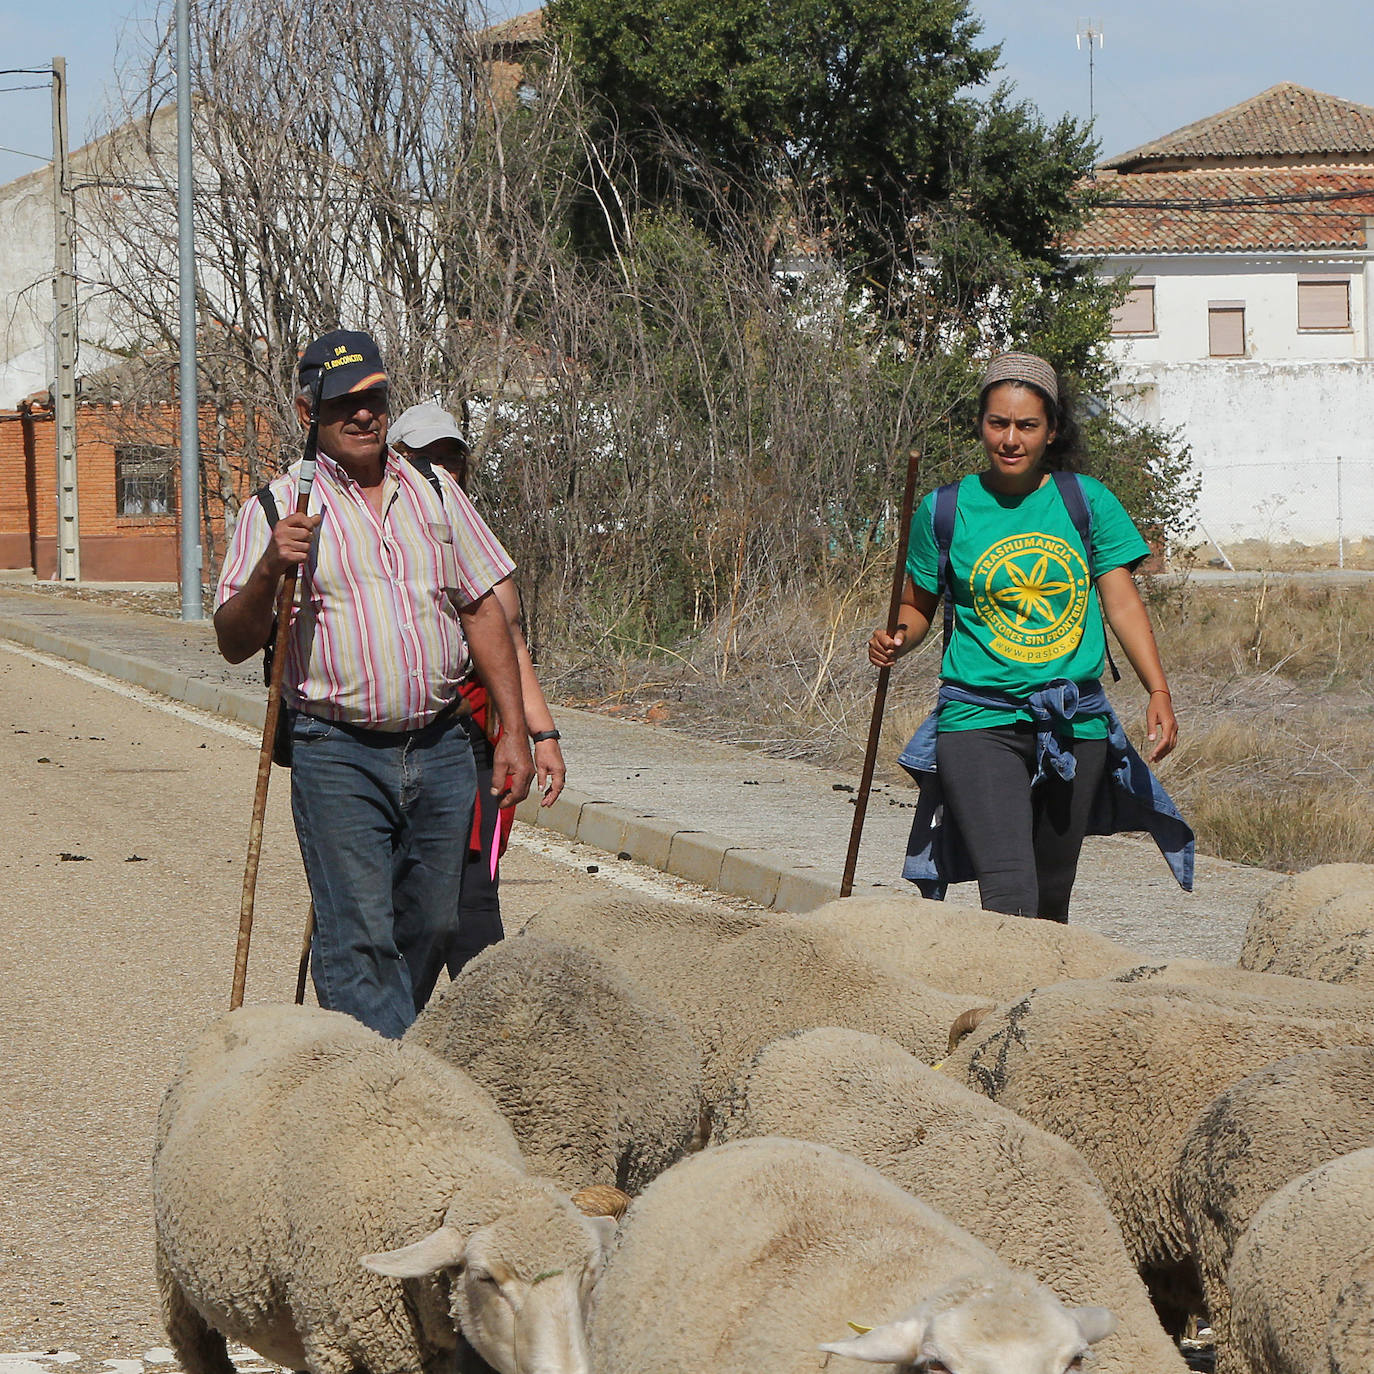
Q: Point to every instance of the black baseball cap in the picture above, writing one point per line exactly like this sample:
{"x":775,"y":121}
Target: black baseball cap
{"x":350,"y":361}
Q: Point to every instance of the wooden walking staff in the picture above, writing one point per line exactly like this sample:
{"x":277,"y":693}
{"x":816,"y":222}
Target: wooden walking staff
{"x":875,"y":726}
{"x":286,"y":596}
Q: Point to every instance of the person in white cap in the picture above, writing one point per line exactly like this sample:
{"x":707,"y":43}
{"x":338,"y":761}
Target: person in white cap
{"x":1023,"y":754}
{"x":429,"y":436}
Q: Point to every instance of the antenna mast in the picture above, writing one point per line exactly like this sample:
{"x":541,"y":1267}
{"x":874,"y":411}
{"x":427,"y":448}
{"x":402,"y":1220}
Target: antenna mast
{"x":1090,"y":34}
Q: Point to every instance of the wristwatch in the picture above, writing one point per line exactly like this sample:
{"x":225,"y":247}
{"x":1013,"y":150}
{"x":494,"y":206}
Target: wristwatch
{"x":540,"y":736}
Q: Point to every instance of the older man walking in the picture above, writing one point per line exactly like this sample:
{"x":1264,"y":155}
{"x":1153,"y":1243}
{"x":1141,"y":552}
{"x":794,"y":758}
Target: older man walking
{"x":396,"y":593}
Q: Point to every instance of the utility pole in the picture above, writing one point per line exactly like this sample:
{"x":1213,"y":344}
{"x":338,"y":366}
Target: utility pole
{"x":1090,"y":33}
{"x":192,"y":604}
{"x":64,"y":337}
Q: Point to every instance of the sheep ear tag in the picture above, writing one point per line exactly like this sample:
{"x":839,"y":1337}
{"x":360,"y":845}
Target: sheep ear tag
{"x":896,"y":1342}
{"x":441,"y":1249}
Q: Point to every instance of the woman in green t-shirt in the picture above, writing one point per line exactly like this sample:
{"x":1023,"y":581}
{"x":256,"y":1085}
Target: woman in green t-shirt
{"x":1025,"y":589}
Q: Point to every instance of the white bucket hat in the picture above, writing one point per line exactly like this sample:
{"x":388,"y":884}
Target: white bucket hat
{"x":424,"y":424}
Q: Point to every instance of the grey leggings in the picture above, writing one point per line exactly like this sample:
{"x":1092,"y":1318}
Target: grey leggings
{"x":1024,"y":845}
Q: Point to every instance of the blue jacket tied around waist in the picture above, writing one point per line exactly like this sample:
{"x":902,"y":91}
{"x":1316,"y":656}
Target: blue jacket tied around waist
{"x":1129,"y":797}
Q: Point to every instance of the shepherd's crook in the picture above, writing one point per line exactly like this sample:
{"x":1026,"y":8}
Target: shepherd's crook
{"x":875,"y":726}
{"x":286,"y":596}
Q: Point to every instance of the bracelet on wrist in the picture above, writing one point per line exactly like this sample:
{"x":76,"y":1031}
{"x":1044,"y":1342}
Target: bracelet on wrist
{"x":1157,"y":691}
{"x":540,"y":736}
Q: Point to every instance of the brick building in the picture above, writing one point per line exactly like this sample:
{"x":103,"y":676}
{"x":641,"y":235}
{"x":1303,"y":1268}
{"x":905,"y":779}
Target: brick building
{"x":129,"y":487}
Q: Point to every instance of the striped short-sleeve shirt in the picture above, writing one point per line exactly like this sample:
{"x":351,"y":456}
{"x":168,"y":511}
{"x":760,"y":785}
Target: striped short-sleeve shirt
{"x":376,"y":640}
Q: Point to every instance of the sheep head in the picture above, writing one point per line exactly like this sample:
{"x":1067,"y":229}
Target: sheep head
{"x":519,"y":1290}
{"x":993,"y":1331}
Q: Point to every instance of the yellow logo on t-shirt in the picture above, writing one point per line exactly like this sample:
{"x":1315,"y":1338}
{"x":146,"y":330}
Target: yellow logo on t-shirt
{"x":1031,"y":591}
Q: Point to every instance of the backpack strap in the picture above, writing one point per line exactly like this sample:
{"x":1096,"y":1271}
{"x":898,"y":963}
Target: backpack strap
{"x":1076,"y":503}
{"x":942,"y":526}
{"x":268,"y":502}
{"x":426,"y":469}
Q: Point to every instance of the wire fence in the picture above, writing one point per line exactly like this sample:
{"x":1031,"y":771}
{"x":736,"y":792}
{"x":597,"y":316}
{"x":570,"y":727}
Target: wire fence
{"x":1305,"y":513}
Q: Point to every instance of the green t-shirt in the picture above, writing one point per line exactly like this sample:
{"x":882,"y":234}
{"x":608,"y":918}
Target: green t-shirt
{"x":1025,"y":608}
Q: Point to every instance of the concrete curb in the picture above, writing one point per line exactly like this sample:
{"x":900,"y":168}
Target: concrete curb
{"x":708,"y":860}
{"x":711,"y":861}
{"x":201,"y":693}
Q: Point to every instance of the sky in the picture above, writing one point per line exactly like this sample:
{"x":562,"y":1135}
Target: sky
{"x":1163,"y":63}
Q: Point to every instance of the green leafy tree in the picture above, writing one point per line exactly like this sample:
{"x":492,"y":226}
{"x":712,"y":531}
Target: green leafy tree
{"x":867,"y":108}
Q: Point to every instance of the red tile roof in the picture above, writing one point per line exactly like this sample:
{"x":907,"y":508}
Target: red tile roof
{"x":1230,"y":209}
{"x":515,"y":32}
{"x":1286,"y":121}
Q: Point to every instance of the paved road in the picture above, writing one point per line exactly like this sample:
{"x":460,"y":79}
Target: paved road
{"x":120,"y":883}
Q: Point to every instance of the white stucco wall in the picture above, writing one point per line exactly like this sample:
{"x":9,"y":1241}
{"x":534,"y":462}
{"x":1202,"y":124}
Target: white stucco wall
{"x":1265,"y":439}
{"x":27,"y":358}
{"x":1268,"y":286}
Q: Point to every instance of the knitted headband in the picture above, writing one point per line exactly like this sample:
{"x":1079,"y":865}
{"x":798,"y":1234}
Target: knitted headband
{"x":1021,"y":367}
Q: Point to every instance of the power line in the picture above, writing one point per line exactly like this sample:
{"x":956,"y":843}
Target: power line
{"x":19,"y":152}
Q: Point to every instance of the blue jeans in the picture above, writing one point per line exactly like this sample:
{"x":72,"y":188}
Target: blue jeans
{"x":383,"y":822}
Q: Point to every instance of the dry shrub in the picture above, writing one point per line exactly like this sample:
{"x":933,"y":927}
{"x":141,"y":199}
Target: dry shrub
{"x":1276,"y":761}
{"x":1281,"y":789}
{"x":1318,"y":634}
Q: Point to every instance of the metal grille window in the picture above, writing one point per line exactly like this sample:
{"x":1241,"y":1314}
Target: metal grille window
{"x":145,"y":481}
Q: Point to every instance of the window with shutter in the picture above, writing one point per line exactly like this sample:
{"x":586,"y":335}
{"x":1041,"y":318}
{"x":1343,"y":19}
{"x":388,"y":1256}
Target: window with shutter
{"x":1324,"y":303}
{"x":1226,"y":329}
{"x":1136,"y":314}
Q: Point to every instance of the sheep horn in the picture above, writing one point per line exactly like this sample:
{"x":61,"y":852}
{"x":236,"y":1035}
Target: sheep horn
{"x":966,"y":1023}
{"x":601,"y":1200}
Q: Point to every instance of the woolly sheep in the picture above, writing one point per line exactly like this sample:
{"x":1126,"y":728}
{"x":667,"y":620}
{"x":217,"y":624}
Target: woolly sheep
{"x":303,"y":1164}
{"x":1252,"y":1139}
{"x":1121,"y":1071}
{"x":1241,"y":987}
{"x":1020,"y":1190}
{"x":1349,"y":1339}
{"x":600,"y":1083}
{"x":746,"y":1257}
{"x":1303,"y":1273}
{"x":1318,"y":924}
{"x":740,"y":980}
{"x":966,"y":951}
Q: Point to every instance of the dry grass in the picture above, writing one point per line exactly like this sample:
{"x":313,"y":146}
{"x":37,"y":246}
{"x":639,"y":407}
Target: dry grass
{"x":1273,"y":682}
{"x":1290,"y":556}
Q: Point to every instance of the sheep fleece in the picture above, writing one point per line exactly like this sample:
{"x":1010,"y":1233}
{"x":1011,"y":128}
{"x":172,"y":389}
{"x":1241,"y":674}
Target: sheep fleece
{"x":1302,"y":1272}
{"x":291,"y":1142}
{"x":1121,"y":1071}
{"x":1251,"y":1140}
{"x":600,"y":1082}
{"x":1020,"y":1190}
{"x":745,"y":1257}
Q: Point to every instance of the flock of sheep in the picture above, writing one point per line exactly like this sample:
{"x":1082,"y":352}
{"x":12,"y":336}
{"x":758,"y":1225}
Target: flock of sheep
{"x":819,"y":1173}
